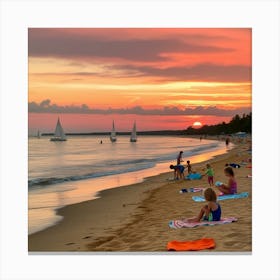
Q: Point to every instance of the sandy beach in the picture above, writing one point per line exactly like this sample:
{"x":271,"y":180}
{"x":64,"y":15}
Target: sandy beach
{"x":135,"y":218}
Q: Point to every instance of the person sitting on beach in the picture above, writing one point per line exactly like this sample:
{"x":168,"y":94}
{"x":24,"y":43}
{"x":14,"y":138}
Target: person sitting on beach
{"x":189,"y":167}
{"x":179,"y":158}
{"x":210,"y":212}
{"x":178,"y":171}
{"x":231,"y":188}
{"x":210,"y":173}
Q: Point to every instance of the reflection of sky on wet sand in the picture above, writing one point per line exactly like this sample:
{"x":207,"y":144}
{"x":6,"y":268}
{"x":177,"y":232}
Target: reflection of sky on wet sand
{"x":59,"y":195}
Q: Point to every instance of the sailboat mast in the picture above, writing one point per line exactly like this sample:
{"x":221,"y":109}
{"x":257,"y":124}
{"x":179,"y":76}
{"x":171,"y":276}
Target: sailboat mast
{"x":133,"y":137}
{"x":113,"y":137}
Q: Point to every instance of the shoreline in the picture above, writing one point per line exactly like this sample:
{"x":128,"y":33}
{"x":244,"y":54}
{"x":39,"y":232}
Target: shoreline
{"x":73,"y":192}
{"x":89,"y":225}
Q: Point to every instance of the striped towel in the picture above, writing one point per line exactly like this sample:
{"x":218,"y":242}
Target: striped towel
{"x":223,"y":197}
{"x":185,"y":224}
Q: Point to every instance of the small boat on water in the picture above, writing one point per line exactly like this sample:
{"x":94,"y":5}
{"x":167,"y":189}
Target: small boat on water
{"x":59,"y":134}
{"x":113,"y":136}
{"x":133,"y":137}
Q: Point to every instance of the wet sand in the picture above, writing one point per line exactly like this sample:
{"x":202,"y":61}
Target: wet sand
{"x":135,"y":218}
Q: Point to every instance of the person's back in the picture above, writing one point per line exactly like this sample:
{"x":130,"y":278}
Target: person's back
{"x":210,"y":171}
{"x":214,"y":207}
{"x":233,"y":185}
{"x":179,"y":167}
{"x":215,"y":211}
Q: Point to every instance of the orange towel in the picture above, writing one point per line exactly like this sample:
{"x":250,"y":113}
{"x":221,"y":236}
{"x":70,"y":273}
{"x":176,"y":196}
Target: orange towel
{"x":195,"y":245}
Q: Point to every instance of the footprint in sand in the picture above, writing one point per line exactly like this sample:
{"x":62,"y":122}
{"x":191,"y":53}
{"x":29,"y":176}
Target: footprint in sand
{"x":70,"y":243}
{"x":86,"y":237}
{"x":231,"y":235}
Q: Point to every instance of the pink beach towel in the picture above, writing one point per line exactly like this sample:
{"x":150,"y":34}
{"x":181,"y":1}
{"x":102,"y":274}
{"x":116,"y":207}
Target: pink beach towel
{"x":185,"y":224}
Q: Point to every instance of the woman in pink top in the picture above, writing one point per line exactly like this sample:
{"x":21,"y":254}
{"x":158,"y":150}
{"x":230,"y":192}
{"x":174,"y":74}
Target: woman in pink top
{"x":231,"y":188}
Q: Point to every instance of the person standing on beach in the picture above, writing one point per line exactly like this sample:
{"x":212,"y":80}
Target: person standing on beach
{"x":227,"y":141}
{"x":189,"y":167}
{"x":179,"y":158}
{"x":210,"y":173}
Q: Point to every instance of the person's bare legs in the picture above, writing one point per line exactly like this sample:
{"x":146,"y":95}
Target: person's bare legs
{"x":204,"y":211}
{"x":176,"y":174}
{"x":223,"y":189}
{"x":182,"y":175}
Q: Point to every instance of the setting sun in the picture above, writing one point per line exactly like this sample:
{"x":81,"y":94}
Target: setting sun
{"x":197,"y":124}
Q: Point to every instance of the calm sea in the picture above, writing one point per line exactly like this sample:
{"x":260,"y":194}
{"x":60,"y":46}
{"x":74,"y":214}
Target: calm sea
{"x":62,"y":173}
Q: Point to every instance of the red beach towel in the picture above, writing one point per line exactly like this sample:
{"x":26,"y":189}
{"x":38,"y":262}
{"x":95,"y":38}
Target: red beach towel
{"x":194,"y":245}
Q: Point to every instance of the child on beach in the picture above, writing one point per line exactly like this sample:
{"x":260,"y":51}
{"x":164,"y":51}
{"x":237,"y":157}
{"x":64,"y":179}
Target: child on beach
{"x":231,"y":188}
{"x":210,"y":212}
{"x":179,"y":158}
{"x":189,"y":167}
{"x":178,"y":171}
{"x":210,"y":173}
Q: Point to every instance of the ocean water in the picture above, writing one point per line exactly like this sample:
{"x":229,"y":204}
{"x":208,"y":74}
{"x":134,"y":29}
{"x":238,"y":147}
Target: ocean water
{"x":63,"y":173}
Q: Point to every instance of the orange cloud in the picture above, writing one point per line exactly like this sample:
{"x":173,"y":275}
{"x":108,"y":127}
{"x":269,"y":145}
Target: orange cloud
{"x":151,"y":68}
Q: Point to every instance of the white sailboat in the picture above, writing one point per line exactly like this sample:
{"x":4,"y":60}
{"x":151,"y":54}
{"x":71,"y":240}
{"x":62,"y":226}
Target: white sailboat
{"x":113,"y":136}
{"x":59,"y":133}
{"x":133,"y":137}
{"x":38,"y":134}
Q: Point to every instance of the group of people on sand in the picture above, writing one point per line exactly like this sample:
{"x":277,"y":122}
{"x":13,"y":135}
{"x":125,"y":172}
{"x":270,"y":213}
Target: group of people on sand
{"x":212,"y":210}
{"x":179,"y":168}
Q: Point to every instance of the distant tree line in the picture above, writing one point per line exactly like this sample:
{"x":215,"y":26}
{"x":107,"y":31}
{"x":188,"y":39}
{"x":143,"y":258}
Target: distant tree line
{"x":238,"y":123}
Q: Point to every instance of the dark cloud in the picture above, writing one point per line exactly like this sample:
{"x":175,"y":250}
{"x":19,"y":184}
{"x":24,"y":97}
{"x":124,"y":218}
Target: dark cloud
{"x":200,"y":72}
{"x":59,"y":43}
{"x":47,"y":107}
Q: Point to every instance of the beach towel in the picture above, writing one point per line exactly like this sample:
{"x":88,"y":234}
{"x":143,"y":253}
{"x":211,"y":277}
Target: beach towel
{"x":223,"y":197}
{"x":193,"y":245}
{"x":194,"y":176}
{"x":185,"y":224}
{"x":192,"y":190}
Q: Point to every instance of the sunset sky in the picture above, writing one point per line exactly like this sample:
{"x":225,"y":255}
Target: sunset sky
{"x":160,"y":78}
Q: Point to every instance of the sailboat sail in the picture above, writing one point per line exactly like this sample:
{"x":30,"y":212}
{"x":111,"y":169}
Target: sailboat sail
{"x":113,"y":136}
{"x":133,"y":137}
{"x":59,"y":134}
